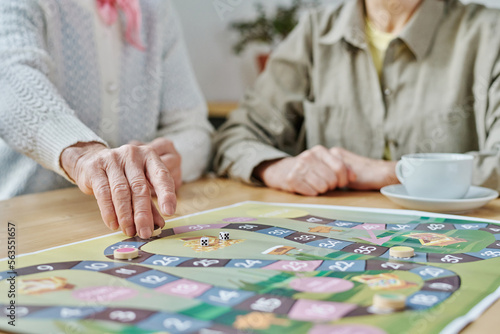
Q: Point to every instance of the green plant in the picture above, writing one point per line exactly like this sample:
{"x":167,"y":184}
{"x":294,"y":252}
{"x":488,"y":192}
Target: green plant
{"x":268,"y":29}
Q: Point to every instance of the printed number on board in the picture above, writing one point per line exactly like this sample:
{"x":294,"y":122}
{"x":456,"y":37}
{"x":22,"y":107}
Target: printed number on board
{"x":341,"y":265}
{"x":248,"y":263}
{"x":165,"y":261}
{"x":177,"y":324}
{"x":451,"y":259}
{"x":206,"y":262}
{"x":329,"y":244}
{"x":426,"y":300}
{"x":278,"y":232}
{"x":224,"y":296}
{"x":96,"y":266}
{"x":491,"y":253}
{"x":305,"y":237}
{"x":391,"y":265}
{"x":123,"y":316}
{"x":153,"y":279}
{"x":365,"y":249}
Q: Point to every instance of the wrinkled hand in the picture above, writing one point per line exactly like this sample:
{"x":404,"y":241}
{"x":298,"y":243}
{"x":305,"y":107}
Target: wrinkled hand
{"x":119,"y":179}
{"x":168,"y":155}
{"x":311,"y":173}
{"x":371,"y":174}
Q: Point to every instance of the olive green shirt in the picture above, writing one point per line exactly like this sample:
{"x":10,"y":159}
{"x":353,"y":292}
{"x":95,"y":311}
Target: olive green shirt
{"x":439,"y":91}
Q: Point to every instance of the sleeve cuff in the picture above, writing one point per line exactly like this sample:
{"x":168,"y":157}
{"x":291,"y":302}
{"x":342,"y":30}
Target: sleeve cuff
{"x":56,"y":135}
{"x":195,"y":147}
{"x":242,"y":159}
{"x":486,"y":171}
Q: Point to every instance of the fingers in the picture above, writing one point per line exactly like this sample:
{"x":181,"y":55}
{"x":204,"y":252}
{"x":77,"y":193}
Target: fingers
{"x":136,"y":143}
{"x":173,"y":164}
{"x":157,"y":218}
{"x":316,"y":171}
{"x":330,"y":168}
{"x":326,"y":174}
{"x":302,"y":188}
{"x":318,"y":182}
{"x":311,"y":185}
{"x":122,"y":198}
{"x":170,"y":157}
{"x":351,"y":175}
{"x":161,"y":180}
{"x":296,"y":180}
{"x":102,"y":193}
{"x":311,"y":173}
{"x":163,"y":146}
{"x":140,"y":198}
{"x":338,"y":166}
{"x":121,"y":180}
{"x":309,"y":176}
{"x":347,"y":157}
{"x":336,"y":163}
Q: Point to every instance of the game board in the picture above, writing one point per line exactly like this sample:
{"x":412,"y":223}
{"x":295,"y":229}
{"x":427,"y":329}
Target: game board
{"x":287,"y":268}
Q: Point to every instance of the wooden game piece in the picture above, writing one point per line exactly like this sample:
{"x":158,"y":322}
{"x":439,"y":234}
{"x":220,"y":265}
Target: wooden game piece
{"x":128,"y":253}
{"x":401,"y":252}
{"x":157,"y":231}
{"x":389,"y":301}
{"x":223,"y":236}
{"x":204,"y":241}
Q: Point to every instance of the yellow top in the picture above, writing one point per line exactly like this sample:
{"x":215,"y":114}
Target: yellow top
{"x":378,"y":42}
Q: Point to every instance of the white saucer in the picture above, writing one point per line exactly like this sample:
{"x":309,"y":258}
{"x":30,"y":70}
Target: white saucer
{"x":475,"y":198}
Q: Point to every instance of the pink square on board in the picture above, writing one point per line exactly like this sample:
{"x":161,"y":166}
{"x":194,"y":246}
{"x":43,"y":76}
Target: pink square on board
{"x":194,"y":228}
{"x":317,"y":310}
{"x":295,"y":265}
{"x":184,"y":288}
{"x":370,"y":227}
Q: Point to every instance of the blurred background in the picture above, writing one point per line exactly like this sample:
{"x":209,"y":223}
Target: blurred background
{"x":224,"y":75}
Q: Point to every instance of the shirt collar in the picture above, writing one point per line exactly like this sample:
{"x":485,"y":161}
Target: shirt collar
{"x":349,"y":25}
{"x":417,"y":35}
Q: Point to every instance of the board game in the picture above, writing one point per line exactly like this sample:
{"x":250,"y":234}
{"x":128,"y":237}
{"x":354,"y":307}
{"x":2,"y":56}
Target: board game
{"x":286,"y":268}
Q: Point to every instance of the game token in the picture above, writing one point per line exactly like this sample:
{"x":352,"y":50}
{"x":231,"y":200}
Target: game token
{"x":392,"y":301}
{"x":223,"y":236}
{"x":204,"y":241}
{"x":157,"y":231}
{"x":401,"y":252}
{"x":128,"y":253}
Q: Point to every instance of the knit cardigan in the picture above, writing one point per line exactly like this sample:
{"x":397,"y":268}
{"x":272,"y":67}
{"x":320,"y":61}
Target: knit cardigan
{"x":66,"y":77}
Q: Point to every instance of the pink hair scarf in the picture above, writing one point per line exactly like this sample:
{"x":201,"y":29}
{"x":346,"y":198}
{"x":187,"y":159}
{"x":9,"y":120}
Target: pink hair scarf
{"x":108,"y":10}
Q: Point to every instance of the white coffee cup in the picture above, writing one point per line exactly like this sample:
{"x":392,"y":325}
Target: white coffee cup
{"x":436,"y":175}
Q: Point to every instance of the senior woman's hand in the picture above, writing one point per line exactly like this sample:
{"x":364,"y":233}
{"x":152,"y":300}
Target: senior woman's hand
{"x":120,"y":179}
{"x":169,"y":156}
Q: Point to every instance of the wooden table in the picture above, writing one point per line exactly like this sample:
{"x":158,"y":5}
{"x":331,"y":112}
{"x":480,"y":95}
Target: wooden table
{"x":218,"y":112}
{"x":64,"y":216}
{"x":221,"y":109}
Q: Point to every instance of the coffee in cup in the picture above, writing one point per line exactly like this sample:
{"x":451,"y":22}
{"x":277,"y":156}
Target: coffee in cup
{"x":436,"y":175}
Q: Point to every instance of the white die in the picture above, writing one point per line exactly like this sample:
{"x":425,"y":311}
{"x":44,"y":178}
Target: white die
{"x":223,"y":235}
{"x":204,"y":241}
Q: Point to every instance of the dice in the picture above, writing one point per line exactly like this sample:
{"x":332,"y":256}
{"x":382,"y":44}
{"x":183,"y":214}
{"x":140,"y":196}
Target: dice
{"x":223,"y":236}
{"x":204,"y":241}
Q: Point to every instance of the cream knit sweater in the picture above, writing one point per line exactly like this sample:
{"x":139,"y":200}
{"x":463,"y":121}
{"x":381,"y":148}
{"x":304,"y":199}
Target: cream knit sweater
{"x":65,"y":77}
